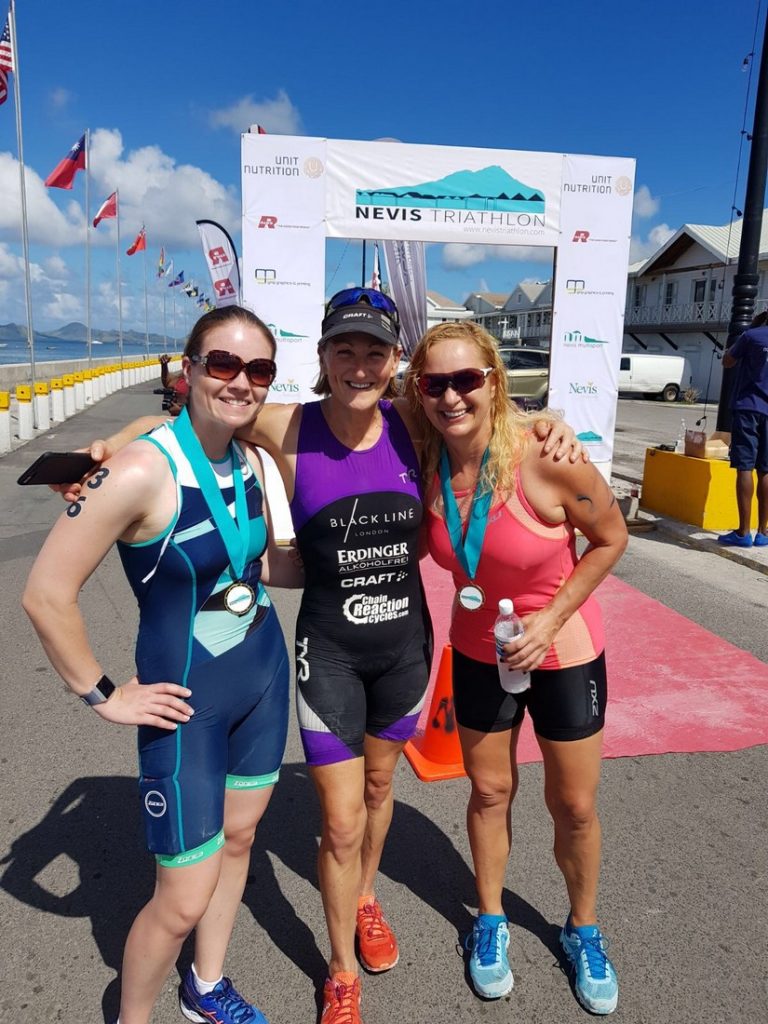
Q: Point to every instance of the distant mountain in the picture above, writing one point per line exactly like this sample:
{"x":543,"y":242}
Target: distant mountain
{"x":76,"y":331}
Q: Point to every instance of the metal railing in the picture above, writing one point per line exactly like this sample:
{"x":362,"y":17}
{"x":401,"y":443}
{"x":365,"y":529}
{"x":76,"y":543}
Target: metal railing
{"x":685,"y":313}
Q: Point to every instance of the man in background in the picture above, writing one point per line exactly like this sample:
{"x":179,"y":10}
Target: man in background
{"x":749,"y":431}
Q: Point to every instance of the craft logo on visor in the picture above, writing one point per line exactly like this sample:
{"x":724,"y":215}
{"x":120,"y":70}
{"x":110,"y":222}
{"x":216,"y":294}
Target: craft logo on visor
{"x":489,"y":197}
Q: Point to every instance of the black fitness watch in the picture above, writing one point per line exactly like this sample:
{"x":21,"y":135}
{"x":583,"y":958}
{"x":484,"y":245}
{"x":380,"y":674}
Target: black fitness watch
{"x":101,"y":692}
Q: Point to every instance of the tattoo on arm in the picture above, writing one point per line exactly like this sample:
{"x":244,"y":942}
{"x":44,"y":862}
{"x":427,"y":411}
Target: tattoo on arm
{"x":585,"y":497}
{"x":96,"y":480}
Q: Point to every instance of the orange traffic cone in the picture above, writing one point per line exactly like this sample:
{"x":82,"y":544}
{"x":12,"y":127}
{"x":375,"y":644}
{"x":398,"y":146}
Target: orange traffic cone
{"x":436,"y":753}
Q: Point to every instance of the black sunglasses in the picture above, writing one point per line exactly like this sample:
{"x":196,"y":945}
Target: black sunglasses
{"x":434,"y":385}
{"x":353,"y":296}
{"x":223,"y":365}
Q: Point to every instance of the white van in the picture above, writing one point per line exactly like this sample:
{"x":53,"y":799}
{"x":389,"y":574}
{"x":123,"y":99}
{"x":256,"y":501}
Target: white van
{"x":642,"y":373}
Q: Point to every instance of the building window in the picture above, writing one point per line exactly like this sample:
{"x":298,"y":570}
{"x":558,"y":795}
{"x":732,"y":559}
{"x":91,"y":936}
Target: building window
{"x":670,"y":293}
{"x":699,"y":291}
{"x":639,"y":295}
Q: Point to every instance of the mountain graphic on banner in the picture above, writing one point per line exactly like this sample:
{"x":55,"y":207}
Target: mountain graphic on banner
{"x":491,"y":188}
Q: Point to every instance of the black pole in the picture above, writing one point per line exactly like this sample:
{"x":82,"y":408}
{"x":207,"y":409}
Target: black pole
{"x":746,"y":280}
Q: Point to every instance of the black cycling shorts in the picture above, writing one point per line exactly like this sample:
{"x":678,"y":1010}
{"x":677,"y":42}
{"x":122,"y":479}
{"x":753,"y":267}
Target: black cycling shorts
{"x":564,"y":703}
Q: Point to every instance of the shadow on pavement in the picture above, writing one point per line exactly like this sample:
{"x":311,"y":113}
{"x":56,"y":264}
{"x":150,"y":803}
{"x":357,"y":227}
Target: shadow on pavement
{"x":95,"y":823}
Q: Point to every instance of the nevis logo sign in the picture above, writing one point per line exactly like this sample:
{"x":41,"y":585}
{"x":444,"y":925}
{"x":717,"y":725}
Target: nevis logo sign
{"x":471,"y":194}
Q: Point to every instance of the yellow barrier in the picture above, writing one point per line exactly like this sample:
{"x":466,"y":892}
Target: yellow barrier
{"x":5,"y":400}
{"x":701,"y":492}
{"x":69,"y":380}
{"x":57,"y":384}
{"x":41,"y":388}
{"x":23,"y":393}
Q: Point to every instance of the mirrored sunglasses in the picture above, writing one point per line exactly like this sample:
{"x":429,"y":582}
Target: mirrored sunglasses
{"x":353,"y":296}
{"x":434,"y":385}
{"x":226,"y":366}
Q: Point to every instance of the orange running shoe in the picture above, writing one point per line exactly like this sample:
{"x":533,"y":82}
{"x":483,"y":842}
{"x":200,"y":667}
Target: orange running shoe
{"x":376,"y":941}
{"x":341,"y":1000}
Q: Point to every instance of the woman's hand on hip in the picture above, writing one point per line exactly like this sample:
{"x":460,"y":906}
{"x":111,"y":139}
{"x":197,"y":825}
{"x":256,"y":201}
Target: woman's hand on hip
{"x":159,"y":704}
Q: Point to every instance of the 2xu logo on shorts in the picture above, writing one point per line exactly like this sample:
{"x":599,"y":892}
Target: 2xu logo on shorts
{"x":367,"y":610}
{"x":155,"y":803}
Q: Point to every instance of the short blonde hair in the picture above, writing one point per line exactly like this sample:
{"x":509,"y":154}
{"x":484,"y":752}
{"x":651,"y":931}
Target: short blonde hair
{"x":509,"y":424}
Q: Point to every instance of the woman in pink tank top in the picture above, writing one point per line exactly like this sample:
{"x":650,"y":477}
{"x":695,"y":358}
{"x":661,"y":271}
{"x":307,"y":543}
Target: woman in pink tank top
{"x":501,"y":516}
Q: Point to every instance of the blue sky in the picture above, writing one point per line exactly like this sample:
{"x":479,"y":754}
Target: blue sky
{"x":167,"y":88}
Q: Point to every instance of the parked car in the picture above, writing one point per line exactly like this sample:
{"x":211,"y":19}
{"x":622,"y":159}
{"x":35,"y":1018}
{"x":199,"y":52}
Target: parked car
{"x":644,"y":373}
{"x":527,"y":374}
{"x":402,"y":369}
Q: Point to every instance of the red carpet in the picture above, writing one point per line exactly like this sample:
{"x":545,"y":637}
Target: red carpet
{"x":672,"y":685}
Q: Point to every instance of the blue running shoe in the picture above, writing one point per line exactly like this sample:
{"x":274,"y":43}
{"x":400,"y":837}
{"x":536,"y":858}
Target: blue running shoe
{"x":761,"y":540}
{"x":735,"y":540}
{"x":597,"y":987}
{"x":224,"y":1005}
{"x":488,"y":964}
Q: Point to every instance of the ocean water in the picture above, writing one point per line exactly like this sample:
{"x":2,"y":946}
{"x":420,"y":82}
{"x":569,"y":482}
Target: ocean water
{"x":51,"y":350}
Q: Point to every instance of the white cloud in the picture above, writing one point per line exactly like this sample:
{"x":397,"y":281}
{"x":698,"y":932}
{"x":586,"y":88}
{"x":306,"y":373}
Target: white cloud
{"x":278,"y":116}
{"x":46,"y":223}
{"x":60,"y":98}
{"x":156,"y":191}
{"x":457,"y":255}
{"x":641,"y":249}
{"x":645,"y":205}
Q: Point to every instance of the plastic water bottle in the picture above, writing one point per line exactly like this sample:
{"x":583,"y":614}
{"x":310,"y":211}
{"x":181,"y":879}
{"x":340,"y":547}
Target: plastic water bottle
{"x":680,"y":446}
{"x":509,"y":626}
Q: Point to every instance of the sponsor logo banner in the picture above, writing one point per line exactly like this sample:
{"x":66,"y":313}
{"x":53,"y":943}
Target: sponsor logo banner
{"x":406,"y":192}
{"x":589,"y":295}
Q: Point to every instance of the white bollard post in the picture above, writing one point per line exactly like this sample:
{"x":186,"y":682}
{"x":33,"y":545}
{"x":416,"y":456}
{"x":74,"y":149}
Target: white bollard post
{"x":79,"y":391}
{"x":57,"y":400}
{"x":5,"y":421}
{"x":24,"y":411}
{"x":69,"y":394}
{"x":42,"y":406}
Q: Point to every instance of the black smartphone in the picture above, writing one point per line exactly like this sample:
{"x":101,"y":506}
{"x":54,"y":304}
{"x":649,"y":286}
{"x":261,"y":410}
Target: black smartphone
{"x":58,"y":468}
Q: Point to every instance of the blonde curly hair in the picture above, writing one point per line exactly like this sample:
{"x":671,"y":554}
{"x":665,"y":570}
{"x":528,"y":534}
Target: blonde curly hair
{"x":510,"y":426}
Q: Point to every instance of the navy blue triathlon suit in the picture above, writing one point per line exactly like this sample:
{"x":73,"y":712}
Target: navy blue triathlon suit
{"x":363,"y":642}
{"x":235,"y":666}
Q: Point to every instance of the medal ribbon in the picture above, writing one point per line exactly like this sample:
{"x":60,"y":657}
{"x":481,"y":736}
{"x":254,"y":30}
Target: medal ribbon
{"x":235,"y":533}
{"x":468,"y":546}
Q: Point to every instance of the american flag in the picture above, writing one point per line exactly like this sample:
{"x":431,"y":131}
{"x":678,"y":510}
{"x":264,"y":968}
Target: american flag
{"x":6,"y":59}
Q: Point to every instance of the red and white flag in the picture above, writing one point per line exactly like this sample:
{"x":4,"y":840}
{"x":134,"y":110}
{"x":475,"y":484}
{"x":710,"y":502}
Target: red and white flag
{"x":6,"y":59}
{"x":376,"y":272}
{"x":139,"y":245}
{"x":107,"y":209}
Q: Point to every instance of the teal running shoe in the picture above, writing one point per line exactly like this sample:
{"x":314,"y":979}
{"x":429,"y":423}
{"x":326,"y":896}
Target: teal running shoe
{"x":595,"y":982}
{"x":224,"y":1005}
{"x":488,"y":964}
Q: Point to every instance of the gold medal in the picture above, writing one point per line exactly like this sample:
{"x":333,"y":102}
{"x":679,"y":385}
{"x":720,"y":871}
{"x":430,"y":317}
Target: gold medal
{"x":471,"y":597}
{"x":239,"y":598}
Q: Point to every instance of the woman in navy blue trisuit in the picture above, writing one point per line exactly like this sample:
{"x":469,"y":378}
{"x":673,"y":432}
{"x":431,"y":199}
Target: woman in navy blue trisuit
{"x":186,"y":506}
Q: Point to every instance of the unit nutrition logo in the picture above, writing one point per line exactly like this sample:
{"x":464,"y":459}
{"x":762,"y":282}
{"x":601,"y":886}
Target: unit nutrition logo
{"x":601,"y":185}
{"x":285,"y":165}
{"x":488,"y":199}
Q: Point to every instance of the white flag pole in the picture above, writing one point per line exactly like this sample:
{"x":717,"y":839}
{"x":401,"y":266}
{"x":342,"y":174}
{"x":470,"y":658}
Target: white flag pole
{"x":119,"y":286}
{"x":146,"y":305}
{"x":23,"y":188}
{"x":88,"y":244}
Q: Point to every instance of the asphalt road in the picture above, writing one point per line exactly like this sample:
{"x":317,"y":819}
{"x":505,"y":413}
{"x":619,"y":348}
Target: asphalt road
{"x":683,"y":892}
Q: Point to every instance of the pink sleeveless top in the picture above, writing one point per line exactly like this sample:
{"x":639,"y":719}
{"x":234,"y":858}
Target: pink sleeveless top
{"x":526,"y":559}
